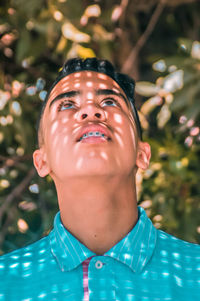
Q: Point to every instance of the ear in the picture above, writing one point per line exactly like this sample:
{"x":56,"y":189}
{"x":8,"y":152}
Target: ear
{"x":40,"y":162}
{"x":143,"y":155}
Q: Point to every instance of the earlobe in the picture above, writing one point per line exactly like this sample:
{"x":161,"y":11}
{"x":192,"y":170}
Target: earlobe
{"x":143,"y":155}
{"x":40,"y":162}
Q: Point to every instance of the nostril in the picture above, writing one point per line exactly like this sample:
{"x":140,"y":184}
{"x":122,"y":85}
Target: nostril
{"x":84,"y":116}
{"x":98,"y":115}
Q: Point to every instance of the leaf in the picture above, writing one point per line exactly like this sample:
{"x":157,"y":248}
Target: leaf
{"x":93,"y":11}
{"x":150,"y":104}
{"x":61,"y":44}
{"x":185,"y":97}
{"x":195,"y":51}
{"x":159,"y":66}
{"x":173,"y":81}
{"x":100,"y":33}
{"x":163,"y":116}
{"x":72,"y":33}
{"x":23,"y":46}
{"x":146,"y":88}
{"x":84,"y":52}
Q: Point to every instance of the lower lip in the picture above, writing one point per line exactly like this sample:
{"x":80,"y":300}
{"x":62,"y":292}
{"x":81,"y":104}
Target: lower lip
{"x":93,"y":140}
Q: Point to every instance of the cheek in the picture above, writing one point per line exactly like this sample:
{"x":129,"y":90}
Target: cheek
{"x":125,"y":125}
{"x":117,"y":118}
{"x":59,"y":123}
{"x":57,"y":132}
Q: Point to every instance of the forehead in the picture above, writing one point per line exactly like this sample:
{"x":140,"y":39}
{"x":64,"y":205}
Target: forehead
{"x":84,"y":79}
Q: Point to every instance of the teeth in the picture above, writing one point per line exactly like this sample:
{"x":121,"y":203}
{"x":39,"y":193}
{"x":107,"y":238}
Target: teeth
{"x":90,"y":134}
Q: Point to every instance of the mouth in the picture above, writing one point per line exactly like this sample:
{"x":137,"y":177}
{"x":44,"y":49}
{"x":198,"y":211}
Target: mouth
{"x":94,"y":133}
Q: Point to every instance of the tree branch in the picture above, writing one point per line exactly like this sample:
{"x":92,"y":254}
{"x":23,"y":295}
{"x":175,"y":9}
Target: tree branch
{"x":5,"y":227}
{"x":17,"y":191}
{"x":142,"y":40}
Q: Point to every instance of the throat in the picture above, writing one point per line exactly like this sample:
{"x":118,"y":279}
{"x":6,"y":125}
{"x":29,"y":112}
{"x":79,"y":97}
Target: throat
{"x":100,"y":231}
{"x":100,"y":214}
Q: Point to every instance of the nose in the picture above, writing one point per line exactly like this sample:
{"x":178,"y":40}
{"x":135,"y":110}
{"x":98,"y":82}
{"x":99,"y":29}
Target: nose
{"x":91,"y":112}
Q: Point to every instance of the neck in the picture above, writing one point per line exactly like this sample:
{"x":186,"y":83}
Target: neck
{"x":98,"y":214}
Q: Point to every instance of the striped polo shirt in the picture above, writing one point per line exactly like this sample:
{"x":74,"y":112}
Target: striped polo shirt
{"x":146,"y":265}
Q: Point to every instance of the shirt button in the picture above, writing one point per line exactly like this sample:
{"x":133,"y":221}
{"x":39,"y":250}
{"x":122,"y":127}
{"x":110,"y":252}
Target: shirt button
{"x":98,"y":264}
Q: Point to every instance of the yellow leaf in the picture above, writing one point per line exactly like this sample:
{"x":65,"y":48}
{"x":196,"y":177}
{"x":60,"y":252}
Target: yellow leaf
{"x":84,"y":52}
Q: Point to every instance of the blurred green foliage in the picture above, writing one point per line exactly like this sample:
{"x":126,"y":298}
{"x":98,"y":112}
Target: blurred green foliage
{"x":156,"y":42}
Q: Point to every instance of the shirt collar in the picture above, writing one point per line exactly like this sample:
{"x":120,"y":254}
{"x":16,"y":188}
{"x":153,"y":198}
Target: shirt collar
{"x":134,"y":250}
{"x":68,"y":250}
{"x":137,"y":247}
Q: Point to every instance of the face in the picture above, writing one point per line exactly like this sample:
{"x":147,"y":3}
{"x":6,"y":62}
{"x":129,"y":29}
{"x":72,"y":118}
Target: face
{"x":88,"y":129}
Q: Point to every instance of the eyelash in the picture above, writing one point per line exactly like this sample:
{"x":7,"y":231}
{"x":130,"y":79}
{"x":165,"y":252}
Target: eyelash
{"x":113,"y":100}
{"x":66,"y":102}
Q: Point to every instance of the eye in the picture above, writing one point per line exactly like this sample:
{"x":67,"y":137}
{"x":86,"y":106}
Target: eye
{"x":66,"y":105}
{"x":110,"y":102}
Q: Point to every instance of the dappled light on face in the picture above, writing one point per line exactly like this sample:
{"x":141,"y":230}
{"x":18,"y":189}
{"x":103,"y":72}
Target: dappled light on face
{"x":53,"y":93}
{"x":79,"y":163}
{"x":119,"y":129}
{"x":116,"y":90}
{"x":65,"y":85}
{"x":57,"y":154}
{"x":89,"y":84}
{"x":103,"y":86}
{"x":90,"y":101}
{"x":119,"y":139}
{"x":77,"y":85}
{"x":89,"y":74}
{"x":90,"y":95}
{"x":71,"y":156}
{"x":65,"y":120}
{"x":104,"y":155}
{"x":84,"y":156}
{"x":102,"y":76}
{"x":78,"y":74}
{"x":117,"y":118}
{"x":66,"y":139}
{"x":54,"y":127}
{"x":53,"y":112}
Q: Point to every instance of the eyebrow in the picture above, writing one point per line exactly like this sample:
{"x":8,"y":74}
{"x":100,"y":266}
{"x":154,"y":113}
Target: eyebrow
{"x":77,"y":92}
{"x":111,"y":92}
{"x":64,"y":95}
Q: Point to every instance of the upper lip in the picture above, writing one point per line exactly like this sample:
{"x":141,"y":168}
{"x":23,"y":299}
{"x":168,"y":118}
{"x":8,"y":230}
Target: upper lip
{"x":93,"y":128}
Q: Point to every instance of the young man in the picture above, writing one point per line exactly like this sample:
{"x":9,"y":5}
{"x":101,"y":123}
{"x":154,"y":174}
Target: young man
{"x":102,"y":246}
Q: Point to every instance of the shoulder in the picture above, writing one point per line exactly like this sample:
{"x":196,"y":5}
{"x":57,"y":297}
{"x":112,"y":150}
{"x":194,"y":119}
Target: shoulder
{"x":177,"y":252}
{"x":171,"y":242}
{"x":24,"y":260}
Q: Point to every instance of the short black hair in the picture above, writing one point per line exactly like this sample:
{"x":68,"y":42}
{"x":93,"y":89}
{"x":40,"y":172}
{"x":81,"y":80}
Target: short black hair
{"x":101,"y":66}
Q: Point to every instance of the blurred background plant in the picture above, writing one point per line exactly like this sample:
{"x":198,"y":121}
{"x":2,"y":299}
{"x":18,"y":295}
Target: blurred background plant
{"x":157,"y":43}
